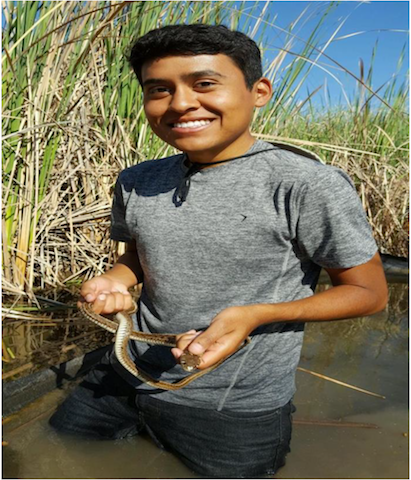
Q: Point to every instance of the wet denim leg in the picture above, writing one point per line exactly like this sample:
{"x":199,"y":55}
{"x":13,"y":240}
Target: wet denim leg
{"x":101,"y":406}
{"x":221,"y":444}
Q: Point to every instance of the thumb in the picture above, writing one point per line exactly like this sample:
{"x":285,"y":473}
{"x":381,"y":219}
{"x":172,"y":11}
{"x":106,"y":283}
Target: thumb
{"x":203,"y":341}
{"x":89,"y":291}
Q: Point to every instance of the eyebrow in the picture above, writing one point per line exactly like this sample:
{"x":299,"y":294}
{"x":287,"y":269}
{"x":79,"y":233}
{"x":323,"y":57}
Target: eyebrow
{"x":187,"y":76}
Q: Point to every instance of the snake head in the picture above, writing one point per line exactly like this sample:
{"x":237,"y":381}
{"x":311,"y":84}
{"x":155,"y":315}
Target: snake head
{"x":189,"y":361}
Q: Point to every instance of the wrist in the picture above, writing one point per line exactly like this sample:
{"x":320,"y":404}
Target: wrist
{"x":263,"y":313}
{"x":121,"y":274}
{"x":251,"y":316}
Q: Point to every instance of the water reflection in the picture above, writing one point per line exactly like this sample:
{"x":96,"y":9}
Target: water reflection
{"x":34,"y":341}
{"x":383,"y":331}
{"x":371,"y":353}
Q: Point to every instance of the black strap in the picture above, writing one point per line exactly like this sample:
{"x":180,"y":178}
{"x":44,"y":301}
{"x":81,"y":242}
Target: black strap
{"x":229,"y":159}
{"x":184,"y":187}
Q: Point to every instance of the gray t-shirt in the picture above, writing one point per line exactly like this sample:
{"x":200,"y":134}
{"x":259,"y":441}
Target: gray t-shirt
{"x":256,"y":229}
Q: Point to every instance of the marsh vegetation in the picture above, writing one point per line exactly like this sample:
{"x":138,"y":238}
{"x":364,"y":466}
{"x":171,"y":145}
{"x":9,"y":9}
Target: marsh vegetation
{"x":73,"y":118}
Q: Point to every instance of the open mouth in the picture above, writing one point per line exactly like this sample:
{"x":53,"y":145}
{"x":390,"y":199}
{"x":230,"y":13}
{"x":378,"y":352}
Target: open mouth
{"x":191,"y":126}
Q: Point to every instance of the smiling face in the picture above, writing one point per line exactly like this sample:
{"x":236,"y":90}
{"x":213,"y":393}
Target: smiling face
{"x":201,"y":105}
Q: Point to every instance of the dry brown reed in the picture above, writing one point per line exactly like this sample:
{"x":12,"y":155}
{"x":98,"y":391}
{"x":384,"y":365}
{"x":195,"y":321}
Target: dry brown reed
{"x":78,"y":121}
{"x":73,"y":118}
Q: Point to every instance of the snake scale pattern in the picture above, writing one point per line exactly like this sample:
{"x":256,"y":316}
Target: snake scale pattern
{"x":123,"y":329}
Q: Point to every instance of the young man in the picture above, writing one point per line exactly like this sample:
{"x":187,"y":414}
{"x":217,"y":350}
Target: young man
{"x":228,"y":239}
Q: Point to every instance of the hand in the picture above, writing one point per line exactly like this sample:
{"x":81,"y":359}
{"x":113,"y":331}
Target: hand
{"x":106,"y":294}
{"x":223,"y":337}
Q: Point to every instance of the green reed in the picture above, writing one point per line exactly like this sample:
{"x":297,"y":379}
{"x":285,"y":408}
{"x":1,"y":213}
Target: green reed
{"x":73,"y":118}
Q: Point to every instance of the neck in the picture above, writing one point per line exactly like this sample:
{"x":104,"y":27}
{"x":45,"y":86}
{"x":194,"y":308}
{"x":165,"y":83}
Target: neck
{"x":210,"y":159}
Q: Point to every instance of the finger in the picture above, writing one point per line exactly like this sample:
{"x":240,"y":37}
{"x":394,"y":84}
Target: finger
{"x":177,"y":352}
{"x":97,"y":304}
{"x":207,"y":338}
{"x":127,"y":301}
{"x":185,"y":339}
{"x":120,"y":289}
{"x":107,"y":302}
{"x":211,"y":357}
{"x":89,"y":291}
{"x":119,"y":302}
{"x":219,"y":350}
{"x":112,"y":302}
{"x":104,"y":303}
{"x":129,"y":304}
{"x":192,"y":333}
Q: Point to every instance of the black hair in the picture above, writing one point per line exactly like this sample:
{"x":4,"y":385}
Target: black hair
{"x":198,"y":39}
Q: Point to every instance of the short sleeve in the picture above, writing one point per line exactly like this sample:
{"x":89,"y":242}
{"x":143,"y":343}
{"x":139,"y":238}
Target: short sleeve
{"x":119,"y":230}
{"x":332,"y":228}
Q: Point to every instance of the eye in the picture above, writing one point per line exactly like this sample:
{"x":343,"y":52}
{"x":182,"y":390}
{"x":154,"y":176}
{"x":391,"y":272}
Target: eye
{"x":205,"y":84}
{"x":157,"y":91}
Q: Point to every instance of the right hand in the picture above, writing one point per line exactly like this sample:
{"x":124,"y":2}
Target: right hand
{"x":106,"y":295}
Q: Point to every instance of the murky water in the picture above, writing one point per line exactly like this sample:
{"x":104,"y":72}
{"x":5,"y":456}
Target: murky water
{"x":369,"y":353}
{"x":33,"y":341}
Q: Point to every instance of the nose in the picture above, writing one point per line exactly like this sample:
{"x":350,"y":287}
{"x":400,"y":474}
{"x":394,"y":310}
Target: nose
{"x":183,"y":99}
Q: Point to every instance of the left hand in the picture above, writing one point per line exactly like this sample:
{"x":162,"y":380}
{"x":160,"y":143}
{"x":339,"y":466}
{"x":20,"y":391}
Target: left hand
{"x":223,"y":337}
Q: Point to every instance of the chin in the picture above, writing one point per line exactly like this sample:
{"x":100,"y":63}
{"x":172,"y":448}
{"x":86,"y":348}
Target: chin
{"x":194,"y":147}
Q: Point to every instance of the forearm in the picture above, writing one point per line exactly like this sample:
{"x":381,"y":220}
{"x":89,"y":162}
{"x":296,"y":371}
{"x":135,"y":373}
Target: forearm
{"x":356,"y":292}
{"x":336,"y":303}
{"x":127,"y":270}
{"x":233,"y":324}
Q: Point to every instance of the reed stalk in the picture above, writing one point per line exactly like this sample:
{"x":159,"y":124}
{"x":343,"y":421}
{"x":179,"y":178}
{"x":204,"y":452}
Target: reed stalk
{"x":73,"y":118}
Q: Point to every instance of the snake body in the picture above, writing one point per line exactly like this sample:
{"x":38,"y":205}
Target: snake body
{"x":123,"y":329}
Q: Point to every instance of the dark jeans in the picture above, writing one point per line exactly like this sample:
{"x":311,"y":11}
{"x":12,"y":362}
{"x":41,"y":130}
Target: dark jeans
{"x":214,"y":444}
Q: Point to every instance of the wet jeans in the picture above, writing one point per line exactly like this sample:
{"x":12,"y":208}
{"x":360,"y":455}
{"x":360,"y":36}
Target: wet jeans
{"x":214,"y":444}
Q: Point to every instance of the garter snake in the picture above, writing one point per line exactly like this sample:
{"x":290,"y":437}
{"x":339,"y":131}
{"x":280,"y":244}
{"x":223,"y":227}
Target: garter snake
{"x":123,"y":329}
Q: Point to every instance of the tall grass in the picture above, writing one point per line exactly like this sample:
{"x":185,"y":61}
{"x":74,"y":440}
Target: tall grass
{"x":73,"y":118}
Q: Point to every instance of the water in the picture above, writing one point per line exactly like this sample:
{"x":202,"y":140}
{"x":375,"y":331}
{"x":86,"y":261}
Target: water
{"x":370,"y":353}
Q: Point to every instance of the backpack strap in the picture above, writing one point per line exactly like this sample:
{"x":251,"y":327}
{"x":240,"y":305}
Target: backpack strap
{"x":298,"y":151}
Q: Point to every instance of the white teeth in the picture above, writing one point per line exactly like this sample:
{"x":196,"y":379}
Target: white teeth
{"x":197,"y":123}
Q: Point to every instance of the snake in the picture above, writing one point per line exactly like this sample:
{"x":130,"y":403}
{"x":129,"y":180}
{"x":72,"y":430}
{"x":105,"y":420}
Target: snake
{"x":123,"y":330}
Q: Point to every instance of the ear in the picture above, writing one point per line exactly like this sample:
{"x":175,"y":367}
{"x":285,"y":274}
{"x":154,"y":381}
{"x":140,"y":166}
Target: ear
{"x":263,"y":92}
